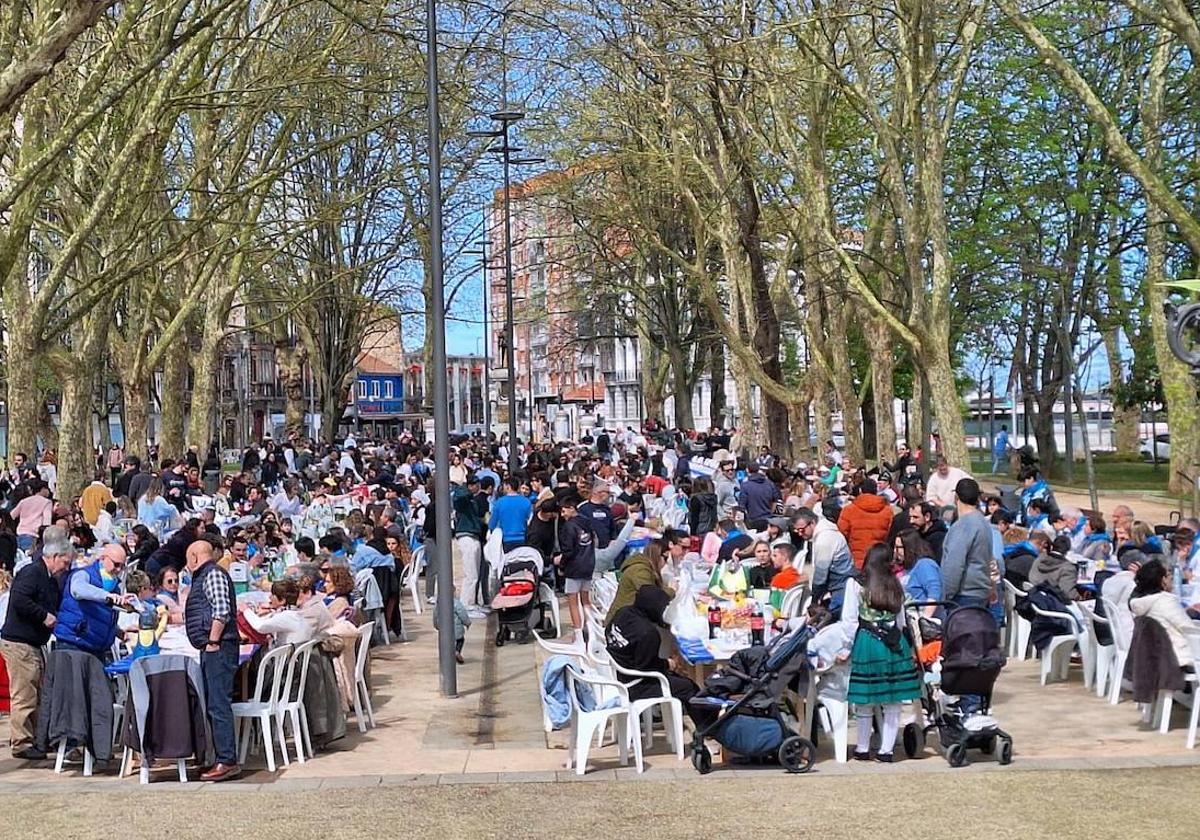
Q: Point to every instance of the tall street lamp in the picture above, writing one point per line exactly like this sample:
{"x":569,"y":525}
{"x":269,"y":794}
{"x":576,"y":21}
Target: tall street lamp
{"x":444,"y":609}
{"x":481,"y":252}
{"x":505,"y":149}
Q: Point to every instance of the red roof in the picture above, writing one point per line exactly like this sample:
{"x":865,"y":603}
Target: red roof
{"x":373,"y":364}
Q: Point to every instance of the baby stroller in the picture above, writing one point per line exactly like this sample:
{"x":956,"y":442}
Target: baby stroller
{"x":758,"y":724}
{"x":517,"y":598}
{"x":969,"y":663}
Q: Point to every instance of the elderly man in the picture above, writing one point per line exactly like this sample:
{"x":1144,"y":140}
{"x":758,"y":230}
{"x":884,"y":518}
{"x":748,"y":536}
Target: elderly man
{"x":209,"y":619}
{"x":33,"y":604}
{"x":1122,"y":519}
{"x":1069,"y":523}
{"x":86,"y":620}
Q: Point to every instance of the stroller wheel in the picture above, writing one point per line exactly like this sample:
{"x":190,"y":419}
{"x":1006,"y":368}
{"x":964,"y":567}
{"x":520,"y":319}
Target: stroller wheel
{"x":796,"y":754}
{"x":956,"y":755}
{"x":1006,"y":751}
{"x":912,"y":740}
{"x":702,"y":760}
{"x":989,"y":746}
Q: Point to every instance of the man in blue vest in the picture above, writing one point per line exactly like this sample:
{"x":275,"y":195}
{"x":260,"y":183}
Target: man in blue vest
{"x":86,"y":618}
{"x":211,"y":628}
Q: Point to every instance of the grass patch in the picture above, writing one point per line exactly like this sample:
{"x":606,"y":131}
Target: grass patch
{"x":1110,"y":475}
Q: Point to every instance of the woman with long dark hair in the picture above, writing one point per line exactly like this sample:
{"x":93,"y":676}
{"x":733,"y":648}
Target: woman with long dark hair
{"x":919,"y":573}
{"x":883,"y":672}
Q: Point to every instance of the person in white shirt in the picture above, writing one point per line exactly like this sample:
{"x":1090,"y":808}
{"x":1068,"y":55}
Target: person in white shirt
{"x":940,"y":489}
{"x":280,"y":619}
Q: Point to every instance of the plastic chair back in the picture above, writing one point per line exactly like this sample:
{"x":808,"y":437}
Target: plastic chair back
{"x":272,"y":666}
{"x":300,"y":660}
{"x":363,"y":645}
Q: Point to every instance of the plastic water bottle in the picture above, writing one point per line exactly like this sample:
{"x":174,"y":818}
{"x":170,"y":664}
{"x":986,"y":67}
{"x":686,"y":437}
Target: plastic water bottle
{"x":1177,"y":580}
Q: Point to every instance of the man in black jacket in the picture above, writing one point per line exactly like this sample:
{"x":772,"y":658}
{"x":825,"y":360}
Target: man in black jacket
{"x":577,"y":561}
{"x":927,"y":520}
{"x":33,"y":603}
{"x":633,"y":641}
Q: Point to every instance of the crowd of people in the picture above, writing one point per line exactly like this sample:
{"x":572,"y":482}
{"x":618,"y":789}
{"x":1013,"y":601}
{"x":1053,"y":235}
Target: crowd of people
{"x":302,"y":523}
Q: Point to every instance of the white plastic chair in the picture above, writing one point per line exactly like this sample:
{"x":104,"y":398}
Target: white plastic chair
{"x":412,"y":574}
{"x":671,"y":710}
{"x":547,"y":596}
{"x":1194,"y":679}
{"x":264,"y":710}
{"x":292,"y":707}
{"x":1103,"y":656}
{"x":602,"y":593}
{"x":362,"y":693}
{"x":1121,"y":642}
{"x":585,"y":724}
{"x":1166,"y":699}
{"x":576,"y":650}
{"x":1018,"y":636}
{"x":793,"y":601}
{"x":1056,"y":656}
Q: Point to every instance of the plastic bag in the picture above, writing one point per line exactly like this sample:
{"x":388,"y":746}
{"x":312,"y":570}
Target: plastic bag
{"x":681,"y":613}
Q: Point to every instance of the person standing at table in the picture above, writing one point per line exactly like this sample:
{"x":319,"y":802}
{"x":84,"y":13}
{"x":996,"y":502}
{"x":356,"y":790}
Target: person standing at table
{"x":33,"y":603}
{"x":211,"y":628}
{"x":86,"y":620}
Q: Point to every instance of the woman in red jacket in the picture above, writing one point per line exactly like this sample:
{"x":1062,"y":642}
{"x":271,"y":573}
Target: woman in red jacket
{"x":865,"y":521}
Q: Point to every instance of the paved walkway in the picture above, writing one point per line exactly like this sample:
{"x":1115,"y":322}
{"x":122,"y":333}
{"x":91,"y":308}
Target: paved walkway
{"x":493,"y":730}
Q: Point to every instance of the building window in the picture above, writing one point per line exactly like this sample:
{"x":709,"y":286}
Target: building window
{"x":362,"y":389}
{"x":389,"y":390}
{"x":375,"y":390}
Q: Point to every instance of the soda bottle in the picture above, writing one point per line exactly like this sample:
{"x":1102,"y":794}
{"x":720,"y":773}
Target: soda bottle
{"x":714,"y":620}
{"x":756,"y":626}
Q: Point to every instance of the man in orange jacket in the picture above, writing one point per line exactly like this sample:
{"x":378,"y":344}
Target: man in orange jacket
{"x":865,"y":521}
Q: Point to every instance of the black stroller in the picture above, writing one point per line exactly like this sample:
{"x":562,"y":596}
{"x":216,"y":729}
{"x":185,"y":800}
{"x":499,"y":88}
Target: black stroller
{"x":970,"y":661}
{"x":757,"y":724}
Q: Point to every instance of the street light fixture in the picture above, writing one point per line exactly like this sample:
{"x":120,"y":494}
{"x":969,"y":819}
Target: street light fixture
{"x":506,"y":118}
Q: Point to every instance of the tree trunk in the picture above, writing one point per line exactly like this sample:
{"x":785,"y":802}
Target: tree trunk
{"x":918,"y":415}
{"x":944,"y":400}
{"x":745,"y":413}
{"x":206,"y":380}
{"x":868,"y":429}
{"x":24,"y":398}
{"x":843,"y":385}
{"x":821,"y":413}
{"x":681,"y":380}
{"x":798,"y":419}
{"x":1179,"y":387}
{"x":1126,"y":418}
{"x":171,"y":402}
{"x":716,"y":393}
{"x":289,"y":362}
{"x":76,"y":454}
{"x":883,"y":390}
{"x":137,"y":416}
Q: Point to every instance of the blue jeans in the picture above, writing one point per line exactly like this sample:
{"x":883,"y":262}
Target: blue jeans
{"x":218,"y":670}
{"x":25,"y":541}
{"x":997,"y":459}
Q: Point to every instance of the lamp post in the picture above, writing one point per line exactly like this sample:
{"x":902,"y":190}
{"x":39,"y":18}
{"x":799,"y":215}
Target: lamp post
{"x":444,"y":609}
{"x":505,"y":149}
{"x":481,"y":252}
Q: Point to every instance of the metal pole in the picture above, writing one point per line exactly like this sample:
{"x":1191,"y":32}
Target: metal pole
{"x":514,"y":461}
{"x":529,"y":371}
{"x":447,"y":667}
{"x":487,"y":356}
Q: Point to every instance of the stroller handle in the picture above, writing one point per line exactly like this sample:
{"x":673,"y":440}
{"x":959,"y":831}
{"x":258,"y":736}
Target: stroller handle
{"x":916,"y":605}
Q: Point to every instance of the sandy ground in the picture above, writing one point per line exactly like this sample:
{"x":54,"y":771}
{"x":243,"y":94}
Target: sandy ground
{"x":993,"y":805}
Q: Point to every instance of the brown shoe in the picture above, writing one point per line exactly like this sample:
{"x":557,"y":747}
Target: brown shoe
{"x":458,"y":657}
{"x":221,"y":773}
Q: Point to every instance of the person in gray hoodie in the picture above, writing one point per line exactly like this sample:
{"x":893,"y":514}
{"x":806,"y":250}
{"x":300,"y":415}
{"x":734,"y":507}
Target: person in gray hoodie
{"x":967,"y":560}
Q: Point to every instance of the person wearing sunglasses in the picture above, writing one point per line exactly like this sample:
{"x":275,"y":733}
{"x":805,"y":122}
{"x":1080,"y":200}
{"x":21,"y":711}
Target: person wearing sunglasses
{"x":86,"y":619}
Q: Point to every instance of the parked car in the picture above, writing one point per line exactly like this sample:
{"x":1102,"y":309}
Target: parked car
{"x":1162,"y":443}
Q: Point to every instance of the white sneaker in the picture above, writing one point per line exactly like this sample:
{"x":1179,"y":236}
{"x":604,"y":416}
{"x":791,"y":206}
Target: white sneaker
{"x":978,"y":722}
{"x":432,"y":600}
{"x":477,"y":612}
